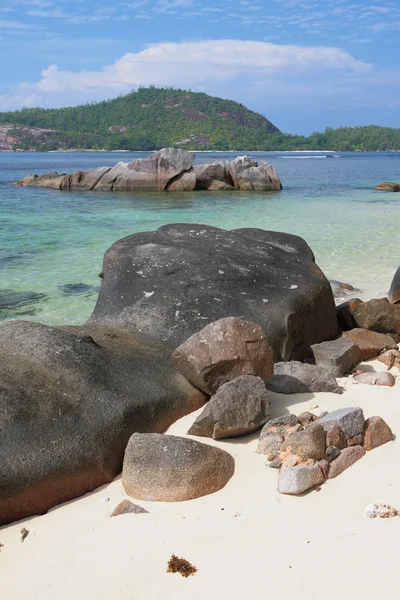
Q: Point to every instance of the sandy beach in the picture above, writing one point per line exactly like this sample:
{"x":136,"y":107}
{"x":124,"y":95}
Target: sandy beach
{"x":245,"y":539}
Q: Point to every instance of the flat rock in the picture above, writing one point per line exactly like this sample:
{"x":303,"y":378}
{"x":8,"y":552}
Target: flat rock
{"x":239,"y":407}
{"x":309,"y":443}
{"x":371,"y":343}
{"x":294,"y":377}
{"x":376,"y":433}
{"x":347,"y":457}
{"x":394,"y":291}
{"x":378,"y":378}
{"x":223,"y":351}
{"x":172,"y":282}
{"x":349,"y":420}
{"x":337,"y":356}
{"x":167,"y":468}
{"x":71,"y":397}
{"x":297,"y":480}
{"x":127,"y":507}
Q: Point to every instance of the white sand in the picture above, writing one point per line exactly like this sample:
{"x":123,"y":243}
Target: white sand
{"x":262,"y":544}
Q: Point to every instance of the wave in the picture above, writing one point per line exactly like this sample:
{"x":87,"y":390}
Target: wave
{"x":313,"y":157}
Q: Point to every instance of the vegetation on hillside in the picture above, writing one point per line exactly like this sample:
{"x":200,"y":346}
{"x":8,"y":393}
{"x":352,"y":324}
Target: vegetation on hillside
{"x":152,"y":118}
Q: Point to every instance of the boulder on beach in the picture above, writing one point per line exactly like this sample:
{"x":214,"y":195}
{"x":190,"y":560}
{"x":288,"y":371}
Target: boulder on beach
{"x":167,"y":169}
{"x":171,"y":282}
{"x":378,"y":315}
{"x":168,"y":468}
{"x":70,"y":398}
{"x":370,"y":343}
{"x":394,"y":292}
{"x":387,"y":186}
{"x":297,"y":378}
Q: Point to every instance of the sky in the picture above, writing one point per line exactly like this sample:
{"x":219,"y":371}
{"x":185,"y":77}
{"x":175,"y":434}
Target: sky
{"x":304,"y":64}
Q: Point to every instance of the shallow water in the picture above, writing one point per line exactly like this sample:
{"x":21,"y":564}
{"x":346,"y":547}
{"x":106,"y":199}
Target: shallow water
{"x":50,"y":241}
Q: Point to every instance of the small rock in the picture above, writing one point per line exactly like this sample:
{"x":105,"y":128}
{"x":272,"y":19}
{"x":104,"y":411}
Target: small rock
{"x":276,"y":463}
{"x":376,"y":433}
{"x":24,"y":534}
{"x":356,"y":440}
{"x":270,"y":442}
{"x":305,"y":418}
{"x":239,"y":407}
{"x":323,"y":414}
{"x":127,"y":507}
{"x":338,"y":356}
{"x":382,"y":511}
{"x":324,"y":466}
{"x":346,"y":458}
{"x":297,"y":480}
{"x":289,"y":460}
{"x":332,"y":452}
{"x":390,"y":358}
{"x":285,"y":420}
{"x":296,"y":378}
{"x":222,"y":351}
{"x":334,"y":436}
{"x":371,"y":343}
{"x":380,"y":378}
{"x":309,"y":443}
{"x":349,"y":420}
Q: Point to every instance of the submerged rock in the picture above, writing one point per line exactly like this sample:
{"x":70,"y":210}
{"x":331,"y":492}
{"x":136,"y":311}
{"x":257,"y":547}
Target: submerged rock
{"x":171,"y":282}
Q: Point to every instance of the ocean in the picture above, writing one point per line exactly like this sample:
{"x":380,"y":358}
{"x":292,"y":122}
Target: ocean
{"x":52,"y":242}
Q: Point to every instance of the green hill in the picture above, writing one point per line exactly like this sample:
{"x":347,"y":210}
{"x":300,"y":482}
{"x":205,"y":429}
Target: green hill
{"x":148,"y":119}
{"x":153,"y":118}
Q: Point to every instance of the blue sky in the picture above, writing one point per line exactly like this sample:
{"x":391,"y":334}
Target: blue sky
{"x":305,"y":64}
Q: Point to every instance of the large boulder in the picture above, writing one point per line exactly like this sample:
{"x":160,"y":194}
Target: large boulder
{"x":222,"y":351}
{"x":378,"y":315}
{"x":239,"y":407}
{"x":171,"y":282}
{"x":167,"y":468}
{"x":70,"y":399}
{"x":246,"y":174}
{"x":394,"y":292}
{"x":370,"y":343}
{"x":213,"y":176}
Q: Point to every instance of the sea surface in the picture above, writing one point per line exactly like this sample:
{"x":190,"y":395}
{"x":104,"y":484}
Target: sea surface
{"x":52,"y":243}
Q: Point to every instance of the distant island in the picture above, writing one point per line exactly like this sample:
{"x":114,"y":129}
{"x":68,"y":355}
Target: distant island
{"x":153,"y":118}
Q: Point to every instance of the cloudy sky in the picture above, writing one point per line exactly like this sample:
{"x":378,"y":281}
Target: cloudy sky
{"x":305,"y":64}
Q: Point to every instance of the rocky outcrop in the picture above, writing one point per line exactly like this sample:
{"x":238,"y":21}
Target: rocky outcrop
{"x":223,"y":351}
{"x":171,"y":282}
{"x":167,"y":169}
{"x":238,"y":408}
{"x":167,"y":468}
{"x":70,"y":400}
{"x":387,"y":186}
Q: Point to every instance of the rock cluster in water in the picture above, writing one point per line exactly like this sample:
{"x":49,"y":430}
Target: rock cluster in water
{"x":167,"y":169}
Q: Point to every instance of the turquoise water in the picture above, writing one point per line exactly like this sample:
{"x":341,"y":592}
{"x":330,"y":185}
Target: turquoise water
{"x":50,"y":241}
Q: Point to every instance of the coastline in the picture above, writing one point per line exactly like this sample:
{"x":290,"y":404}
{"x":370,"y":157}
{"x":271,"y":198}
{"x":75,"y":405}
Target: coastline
{"x":242,"y":539}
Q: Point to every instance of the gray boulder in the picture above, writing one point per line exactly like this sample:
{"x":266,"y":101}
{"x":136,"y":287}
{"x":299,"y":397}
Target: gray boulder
{"x":70,"y":398}
{"x":337,"y":356}
{"x":167,"y":468}
{"x":297,"y":480}
{"x":295,"y":378}
{"x":171,"y":282}
{"x":222,"y":351}
{"x":246,"y":174}
{"x":349,"y":420}
{"x":394,"y":292}
{"x":239,"y":407}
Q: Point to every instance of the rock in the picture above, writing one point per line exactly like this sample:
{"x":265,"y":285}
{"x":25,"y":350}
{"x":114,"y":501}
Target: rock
{"x":171,"y":282}
{"x":275,"y":464}
{"x":371,"y":343}
{"x":282,"y":422}
{"x":394,"y":292}
{"x":332,"y":452}
{"x":156,"y":172}
{"x":390,"y":358}
{"x":309,"y":443}
{"x":349,"y":420}
{"x":387,"y":186}
{"x":295,"y":378}
{"x":71,"y":397}
{"x":247,"y":175}
{"x":87,"y":180}
{"x":334,"y":436}
{"x":239,"y":407}
{"x":50,"y":180}
{"x":345,"y":314}
{"x":125,"y":507}
{"x":297,"y":480}
{"x":337,"y":356}
{"x":167,"y":468}
{"x":306,"y":418}
{"x":185,"y":182}
{"x":355,"y":440}
{"x":378,"y":315}
{"x":379,"y":378}
{"x":346,"y":458}
{"x":223,"y":351}
{"x":270,"y":442}
{"x":376,"y":433}
{"x":213,"y":176}
{"x":340,"y":289}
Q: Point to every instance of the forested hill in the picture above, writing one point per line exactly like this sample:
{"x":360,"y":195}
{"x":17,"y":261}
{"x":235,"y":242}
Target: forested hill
{"x":148,"y":119}
{"x":153,"y":118}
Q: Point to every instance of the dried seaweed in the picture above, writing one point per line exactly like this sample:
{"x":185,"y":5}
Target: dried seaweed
{"x":180,"y":565}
